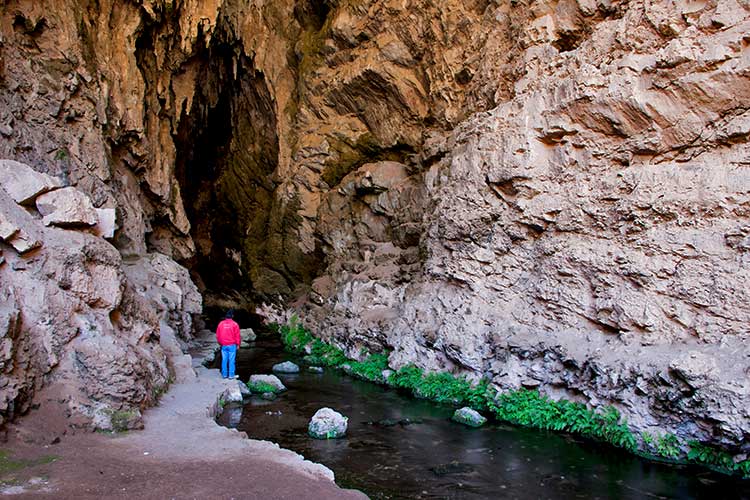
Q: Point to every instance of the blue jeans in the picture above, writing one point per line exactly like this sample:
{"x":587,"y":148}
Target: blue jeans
{"x":228,"y":354}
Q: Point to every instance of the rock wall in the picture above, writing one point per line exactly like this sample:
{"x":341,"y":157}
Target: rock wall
{"x":550,"y":194}
{"x":75,"y":333}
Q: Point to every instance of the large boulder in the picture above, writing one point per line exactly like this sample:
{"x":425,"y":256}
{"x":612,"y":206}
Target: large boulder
{"x":286,"y":367}
{"x":23,"y":183}
{"x":265,"y":383}
{"x":468,"y":416}
{"x":327,"y":424}
{"x":67,"y":207}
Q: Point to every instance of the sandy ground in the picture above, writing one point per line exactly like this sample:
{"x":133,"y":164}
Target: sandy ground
{"x":181,"y":453}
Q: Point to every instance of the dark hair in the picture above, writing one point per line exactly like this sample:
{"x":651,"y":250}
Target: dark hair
{"x":230,"y":314}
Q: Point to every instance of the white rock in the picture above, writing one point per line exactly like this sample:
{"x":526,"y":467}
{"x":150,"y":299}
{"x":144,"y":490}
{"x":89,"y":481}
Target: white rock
{"x":286,"y":367}
{"x":107,"y":224}
{"x":23,"y":183}
{"x":327,"y":424}
{"x":232,"y":394}
{"x":66,"y":207}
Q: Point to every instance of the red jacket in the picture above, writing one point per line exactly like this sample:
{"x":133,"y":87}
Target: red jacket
{"x":228,"y":333}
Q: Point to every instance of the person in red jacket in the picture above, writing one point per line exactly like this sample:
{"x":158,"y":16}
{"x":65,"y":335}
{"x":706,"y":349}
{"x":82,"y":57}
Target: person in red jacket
{"x":228,"y":336}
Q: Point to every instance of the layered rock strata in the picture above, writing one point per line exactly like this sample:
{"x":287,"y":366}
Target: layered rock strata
{"x":549,"y":194}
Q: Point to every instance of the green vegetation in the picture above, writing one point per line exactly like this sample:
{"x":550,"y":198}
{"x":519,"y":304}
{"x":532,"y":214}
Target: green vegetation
{"x":62,"y":154}
{"x":717,"y":459}
{"x":9,"y":465}
{"x":294,"y":336}
{"x":261,"y":387}
{"x":121,"y":419}
{"x":522,"y":407}
{"x":665,"y":446}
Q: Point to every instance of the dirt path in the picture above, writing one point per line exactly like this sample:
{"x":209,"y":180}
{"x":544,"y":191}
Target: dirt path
{"x":181,"y":453}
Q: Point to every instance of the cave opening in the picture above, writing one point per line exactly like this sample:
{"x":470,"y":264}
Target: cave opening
{"x":227,"y":152}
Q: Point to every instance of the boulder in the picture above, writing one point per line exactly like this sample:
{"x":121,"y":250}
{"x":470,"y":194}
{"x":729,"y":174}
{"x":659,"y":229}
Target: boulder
{"x":315,"y":369}
{"x":23,"y":183}
{"x":468,"y":416}
{"x":248,"y":335}
{"x":286,"y":367}
{"x":67,"y":207}
{"x":268,"y":396}
{"x":265,"y":383}
{"x":232,"y":394}
{"x":243,"y":389}
{"x":12,"y":229}
{"x":327,"y":424}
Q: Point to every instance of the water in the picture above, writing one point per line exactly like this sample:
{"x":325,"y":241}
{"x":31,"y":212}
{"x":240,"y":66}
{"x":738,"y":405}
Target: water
{"x":399,"y":447}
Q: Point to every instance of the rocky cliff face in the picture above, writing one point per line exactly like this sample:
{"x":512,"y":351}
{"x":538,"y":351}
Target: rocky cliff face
{"x":550,"y":194}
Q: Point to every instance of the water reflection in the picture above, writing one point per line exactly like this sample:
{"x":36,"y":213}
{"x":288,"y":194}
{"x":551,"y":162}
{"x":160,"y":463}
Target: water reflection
{"x":399,"y":447}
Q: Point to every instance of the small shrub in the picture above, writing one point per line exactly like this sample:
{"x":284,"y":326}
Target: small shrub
{"x":668,"y":446}
{"x":294,"y":336}
{"x":372,"y":368}
{"x":326,"y":355}
{"x":407,"y":377}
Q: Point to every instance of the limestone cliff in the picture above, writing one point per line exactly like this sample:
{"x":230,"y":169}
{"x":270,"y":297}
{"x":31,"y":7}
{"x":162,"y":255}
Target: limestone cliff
{"x":550,"y":194}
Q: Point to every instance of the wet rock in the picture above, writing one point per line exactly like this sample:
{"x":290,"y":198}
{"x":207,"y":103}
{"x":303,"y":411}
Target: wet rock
{"x":468,"y":416}
{"x":232,"y":394}
{"x":67,"y":207}
{"x":268,"y":396}
{"x":247,"y":335}
{"x":286,"y":367}
{"x":315,"y":369}
{"x":23,"y":183}
{"x":244,"y":389}
{"x":259,"y":383}
{"x":327,"y":424}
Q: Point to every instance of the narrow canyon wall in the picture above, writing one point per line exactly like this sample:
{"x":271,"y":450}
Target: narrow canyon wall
{"x":549,"y":194}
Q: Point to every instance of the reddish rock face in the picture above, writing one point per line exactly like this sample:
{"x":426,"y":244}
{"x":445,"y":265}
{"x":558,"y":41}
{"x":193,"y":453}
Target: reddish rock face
{"x":548,"y":194}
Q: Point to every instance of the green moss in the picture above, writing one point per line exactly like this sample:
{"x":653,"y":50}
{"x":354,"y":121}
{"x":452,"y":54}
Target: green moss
{"x":261,"y":387}
{"x":294,"y":336}
{"x":9,"y":465}
{"x":121,"y":419}
{"x":62,"y":154}
{"x":527,"y":408}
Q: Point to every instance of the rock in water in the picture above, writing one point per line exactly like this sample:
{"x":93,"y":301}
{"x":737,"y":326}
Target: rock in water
{"x":315,"y":369}
{"x":248,"y":335}
{"x":327,"y":424}
{"x":244,"y":389}
{"x":265,"y":383}
{"x":268,"y":396}
{"x":469,"y":417}
{"x":286,"y":367}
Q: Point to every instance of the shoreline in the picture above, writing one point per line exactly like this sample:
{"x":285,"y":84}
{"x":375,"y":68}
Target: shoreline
{"x":181,"y":451}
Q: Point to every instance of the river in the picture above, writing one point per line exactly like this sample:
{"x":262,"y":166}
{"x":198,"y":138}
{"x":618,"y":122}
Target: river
{"x":401,"y":447}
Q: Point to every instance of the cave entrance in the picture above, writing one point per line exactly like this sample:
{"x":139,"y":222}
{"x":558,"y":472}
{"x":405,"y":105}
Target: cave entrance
{"x":227,"y":152}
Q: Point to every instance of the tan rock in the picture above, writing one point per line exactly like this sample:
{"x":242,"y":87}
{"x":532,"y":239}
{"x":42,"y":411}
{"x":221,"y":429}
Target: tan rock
{"x":23,"y":183}
{"x":67,"y":207}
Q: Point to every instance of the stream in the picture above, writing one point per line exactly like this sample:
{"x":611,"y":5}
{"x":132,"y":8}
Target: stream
{"x":400,"y":447}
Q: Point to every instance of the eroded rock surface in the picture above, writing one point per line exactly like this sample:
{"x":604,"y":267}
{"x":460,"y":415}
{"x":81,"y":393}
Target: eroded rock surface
{"x":548,"y":194}
{"x":75,"y":333}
